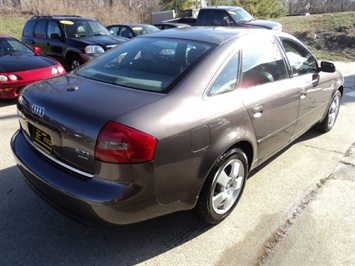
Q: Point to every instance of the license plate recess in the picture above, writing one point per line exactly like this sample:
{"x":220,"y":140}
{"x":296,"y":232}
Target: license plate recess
{"x":42,"y":140}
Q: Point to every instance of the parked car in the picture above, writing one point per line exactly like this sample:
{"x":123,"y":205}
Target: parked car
{"x":72,"y":40}
{"x":170,"y":121}
{"x":20,"y":66}
{"x":226,"y":16}
{"x":167,"y":25}
{"x":232,"y":16}
{"x":131,"y":30}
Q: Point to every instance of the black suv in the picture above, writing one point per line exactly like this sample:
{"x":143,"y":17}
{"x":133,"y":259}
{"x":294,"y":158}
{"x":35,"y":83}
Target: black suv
{"x":72,"y":40}
{"x":232,"y":16}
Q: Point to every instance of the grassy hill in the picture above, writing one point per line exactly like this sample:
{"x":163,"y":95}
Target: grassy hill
{"x":330,"y":36}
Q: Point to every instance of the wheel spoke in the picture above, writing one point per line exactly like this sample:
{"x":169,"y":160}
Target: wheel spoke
{"x":223,"y":178}
{"x":239,"y":182}
{"x":218,"y":199}
{"x":228,"y":186}
{"x":235,"y":171}
{"x":230,"y":199}
{"x":333,"y":111}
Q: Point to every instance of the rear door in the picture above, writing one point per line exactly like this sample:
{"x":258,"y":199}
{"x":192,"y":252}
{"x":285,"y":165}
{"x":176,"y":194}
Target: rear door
{"x":39,"y":38}
{"x":271,"y":100}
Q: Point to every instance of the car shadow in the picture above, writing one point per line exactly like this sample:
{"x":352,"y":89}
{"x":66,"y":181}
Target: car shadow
{"x":310,"y":134}
{"x":4,"y":103}
{"x":349,"y":92}
{"x":35,"y":230}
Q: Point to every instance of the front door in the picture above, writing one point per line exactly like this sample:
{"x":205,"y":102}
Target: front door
{"x":271,"y":100}
{"x":314,"y":91}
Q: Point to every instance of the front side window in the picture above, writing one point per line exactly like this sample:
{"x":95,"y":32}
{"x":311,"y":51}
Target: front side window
{"x":126,"y":32}
{"x":52,"y":28}
{"x":262,"y":63}
{"x":220,"y":18}
{"x":151,"y":64}
{"x":300,"y":59}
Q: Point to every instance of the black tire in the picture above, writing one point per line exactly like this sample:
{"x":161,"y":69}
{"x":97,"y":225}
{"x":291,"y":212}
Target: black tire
{"x":223,"y":187}
{"x":75,"y":61}
{"x":332,"y":114}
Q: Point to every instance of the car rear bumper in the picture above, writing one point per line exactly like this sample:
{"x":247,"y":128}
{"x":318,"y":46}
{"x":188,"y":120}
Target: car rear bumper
{"x":89,"y":201}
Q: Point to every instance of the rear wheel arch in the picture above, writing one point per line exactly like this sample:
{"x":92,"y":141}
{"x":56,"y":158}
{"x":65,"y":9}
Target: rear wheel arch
{"x":223,"y":186}
{"x":245,"y":146}
{"x":341,"y":89}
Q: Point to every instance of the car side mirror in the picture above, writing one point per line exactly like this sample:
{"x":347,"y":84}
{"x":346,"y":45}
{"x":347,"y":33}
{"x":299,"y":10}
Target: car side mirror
{"x":37,"y":50}
{"x":327,"y":67}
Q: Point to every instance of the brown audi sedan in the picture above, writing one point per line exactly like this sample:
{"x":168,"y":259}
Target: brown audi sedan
{"x":170,"y":121}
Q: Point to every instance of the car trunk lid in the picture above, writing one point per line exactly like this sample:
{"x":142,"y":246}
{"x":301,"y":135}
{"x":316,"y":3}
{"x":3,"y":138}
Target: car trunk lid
{"x":63,"y":116}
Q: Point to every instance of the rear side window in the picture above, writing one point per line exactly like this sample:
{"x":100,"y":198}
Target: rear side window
{"x":203,"y":18}
{"x":227,"y":79}
{"x":40,"y":29}
{"x":29,"y":28}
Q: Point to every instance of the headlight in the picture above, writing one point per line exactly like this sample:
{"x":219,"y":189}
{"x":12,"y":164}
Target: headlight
{"x":54,"y":71}
{"x":12,"y":77}
{"x":60,"y":69}
{"x":3,"y":78}
{"x":57,"y":70}
{"x":94,"y":49}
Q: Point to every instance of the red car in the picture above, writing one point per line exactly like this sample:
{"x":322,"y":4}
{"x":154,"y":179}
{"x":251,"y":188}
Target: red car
{"x":20,"y":66}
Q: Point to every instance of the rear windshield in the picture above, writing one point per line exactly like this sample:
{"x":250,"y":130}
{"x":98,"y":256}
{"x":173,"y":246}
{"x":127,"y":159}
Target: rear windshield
{"x":151,"y":64}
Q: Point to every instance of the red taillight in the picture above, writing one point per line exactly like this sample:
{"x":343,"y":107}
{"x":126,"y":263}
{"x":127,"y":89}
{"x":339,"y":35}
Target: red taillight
{"x":120,"y":144}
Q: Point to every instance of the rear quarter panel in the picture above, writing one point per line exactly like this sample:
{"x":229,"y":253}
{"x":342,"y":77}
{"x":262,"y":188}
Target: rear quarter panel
{"x":192,"y":131}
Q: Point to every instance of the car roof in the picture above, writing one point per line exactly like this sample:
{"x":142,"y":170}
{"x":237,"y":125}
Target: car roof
{"x":216,"y":35}
{"x":130,"y":25}
{"x":223,"y":7}
{"x":171,"y":23}
{"x":72,"y":17}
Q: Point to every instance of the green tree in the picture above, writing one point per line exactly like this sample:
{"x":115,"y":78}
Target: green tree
{"x":264,"y":9}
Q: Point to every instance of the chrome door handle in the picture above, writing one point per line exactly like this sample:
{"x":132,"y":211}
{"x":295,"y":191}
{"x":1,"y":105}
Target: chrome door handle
{"x":303,"y":94}
{"x":258,"y":110}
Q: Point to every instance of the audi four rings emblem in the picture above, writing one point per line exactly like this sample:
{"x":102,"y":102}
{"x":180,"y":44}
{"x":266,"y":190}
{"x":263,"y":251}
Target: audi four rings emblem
{"x":37,"y":110}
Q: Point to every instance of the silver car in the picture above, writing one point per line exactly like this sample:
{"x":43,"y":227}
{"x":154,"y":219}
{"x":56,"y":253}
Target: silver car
{"x":170,"y":121}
